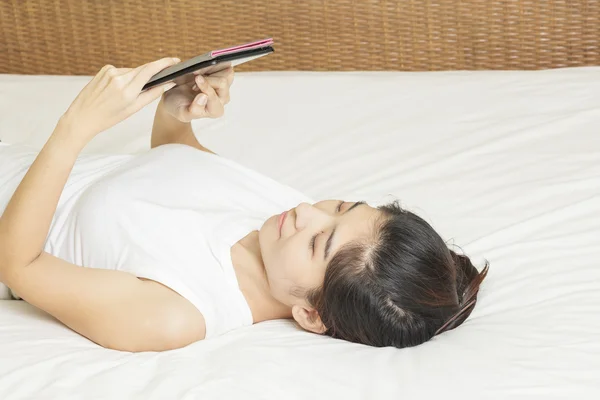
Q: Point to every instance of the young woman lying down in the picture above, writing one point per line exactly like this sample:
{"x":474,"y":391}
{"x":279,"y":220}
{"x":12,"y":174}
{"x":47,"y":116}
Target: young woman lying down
{"x":158,"y":250}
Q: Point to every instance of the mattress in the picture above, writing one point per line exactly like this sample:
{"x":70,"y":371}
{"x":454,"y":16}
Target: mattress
{"x":505,"y":165}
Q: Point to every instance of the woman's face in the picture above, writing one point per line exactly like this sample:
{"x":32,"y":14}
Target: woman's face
{"x":297,"y":245}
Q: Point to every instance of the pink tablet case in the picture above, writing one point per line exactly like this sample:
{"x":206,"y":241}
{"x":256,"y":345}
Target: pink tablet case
{"x":247,"y":46}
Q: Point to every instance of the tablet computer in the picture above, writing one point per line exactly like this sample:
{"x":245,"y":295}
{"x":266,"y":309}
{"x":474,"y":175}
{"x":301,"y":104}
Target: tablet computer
{"x":211,"y":62}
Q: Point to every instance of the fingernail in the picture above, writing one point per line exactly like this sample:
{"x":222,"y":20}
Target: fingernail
{"x":201,"y":100}
{"x":199,"y":79}
{"x":195,"y":87}
{"x":175,"y":59}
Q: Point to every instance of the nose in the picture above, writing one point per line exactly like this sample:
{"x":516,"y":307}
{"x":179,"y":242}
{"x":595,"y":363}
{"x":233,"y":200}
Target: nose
{"x":307,"y":215}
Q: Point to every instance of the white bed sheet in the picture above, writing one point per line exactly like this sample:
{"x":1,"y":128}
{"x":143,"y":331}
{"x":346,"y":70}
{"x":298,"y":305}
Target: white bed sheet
{"x":504,"y":164}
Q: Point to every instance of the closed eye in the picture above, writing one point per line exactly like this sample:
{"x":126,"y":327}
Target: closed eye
{"x":312,"y":243}
{"x":313,"y":240}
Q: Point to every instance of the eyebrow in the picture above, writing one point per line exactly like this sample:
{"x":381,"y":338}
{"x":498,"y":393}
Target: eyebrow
{"x":330,"y":238}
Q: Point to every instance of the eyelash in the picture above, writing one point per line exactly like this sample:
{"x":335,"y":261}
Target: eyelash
{"x":314,"y":238}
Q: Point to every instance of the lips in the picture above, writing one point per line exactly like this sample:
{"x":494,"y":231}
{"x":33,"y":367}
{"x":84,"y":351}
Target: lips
{"x":281,"y":220}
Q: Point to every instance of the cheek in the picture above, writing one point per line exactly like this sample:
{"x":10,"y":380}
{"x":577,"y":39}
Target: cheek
{"x":282,"y":258}
{"x":287,"y":261}
{"x":297,"y":270}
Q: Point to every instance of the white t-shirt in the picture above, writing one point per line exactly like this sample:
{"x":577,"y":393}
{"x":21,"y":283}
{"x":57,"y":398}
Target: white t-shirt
{"x":170,"y":214}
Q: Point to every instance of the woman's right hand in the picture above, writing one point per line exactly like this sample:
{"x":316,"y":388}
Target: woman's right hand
{"x":204,"y":97}
{"x":112,"y":96}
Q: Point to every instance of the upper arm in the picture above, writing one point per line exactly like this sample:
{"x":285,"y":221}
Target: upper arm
{"x":112,"y":308}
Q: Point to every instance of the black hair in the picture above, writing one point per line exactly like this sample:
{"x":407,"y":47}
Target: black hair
{"x":399,"y":288}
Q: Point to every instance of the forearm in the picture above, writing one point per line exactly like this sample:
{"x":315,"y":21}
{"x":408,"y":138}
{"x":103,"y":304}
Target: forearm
{"x":167,"y":129}
{"x":25,"y":223}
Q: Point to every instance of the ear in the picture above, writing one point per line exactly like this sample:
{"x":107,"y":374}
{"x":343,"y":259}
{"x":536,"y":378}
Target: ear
{"x":308,"y":318}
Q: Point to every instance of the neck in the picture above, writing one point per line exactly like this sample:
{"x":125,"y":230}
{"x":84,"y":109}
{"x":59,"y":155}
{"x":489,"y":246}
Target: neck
{"x":252,"y":280}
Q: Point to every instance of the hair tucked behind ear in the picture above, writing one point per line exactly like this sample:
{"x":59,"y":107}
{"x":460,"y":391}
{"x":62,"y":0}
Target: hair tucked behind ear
{"x":400,"y":288}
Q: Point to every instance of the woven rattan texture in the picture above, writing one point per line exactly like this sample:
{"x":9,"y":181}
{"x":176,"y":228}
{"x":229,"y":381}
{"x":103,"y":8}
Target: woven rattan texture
{"x":79,"y":36}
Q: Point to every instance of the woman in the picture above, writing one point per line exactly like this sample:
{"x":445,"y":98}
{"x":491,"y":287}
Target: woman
{"x":181,"y":244}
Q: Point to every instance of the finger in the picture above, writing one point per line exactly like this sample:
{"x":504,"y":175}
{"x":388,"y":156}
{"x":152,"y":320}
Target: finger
{"x":214,"y":106}
{"x":143,"y":73}
{"x":122,"y":71}
{"x":104,"y":69}
{"x":114,"y":72}
{"x":100,"y":79}
{"x":221,"y":86}
{"x":196,"y":109}
{"x":150,"y":95}
{"x":105,"y":75}
{"x":109,"y":71}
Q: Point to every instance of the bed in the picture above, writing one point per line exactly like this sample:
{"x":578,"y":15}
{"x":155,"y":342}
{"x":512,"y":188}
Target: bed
{"x":504,"y":164}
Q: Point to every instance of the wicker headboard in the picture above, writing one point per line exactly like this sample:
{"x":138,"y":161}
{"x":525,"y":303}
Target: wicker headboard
{"x":79,"y":36}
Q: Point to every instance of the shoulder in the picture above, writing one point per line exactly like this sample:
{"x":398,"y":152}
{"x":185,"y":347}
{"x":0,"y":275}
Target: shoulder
{"x":156,"y":318}
{"x":172,"y":320}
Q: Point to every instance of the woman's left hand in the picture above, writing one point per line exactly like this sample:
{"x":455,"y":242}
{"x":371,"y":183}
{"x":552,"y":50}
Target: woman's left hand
{"x":113,"y":95}
{"x":205,"y":97}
